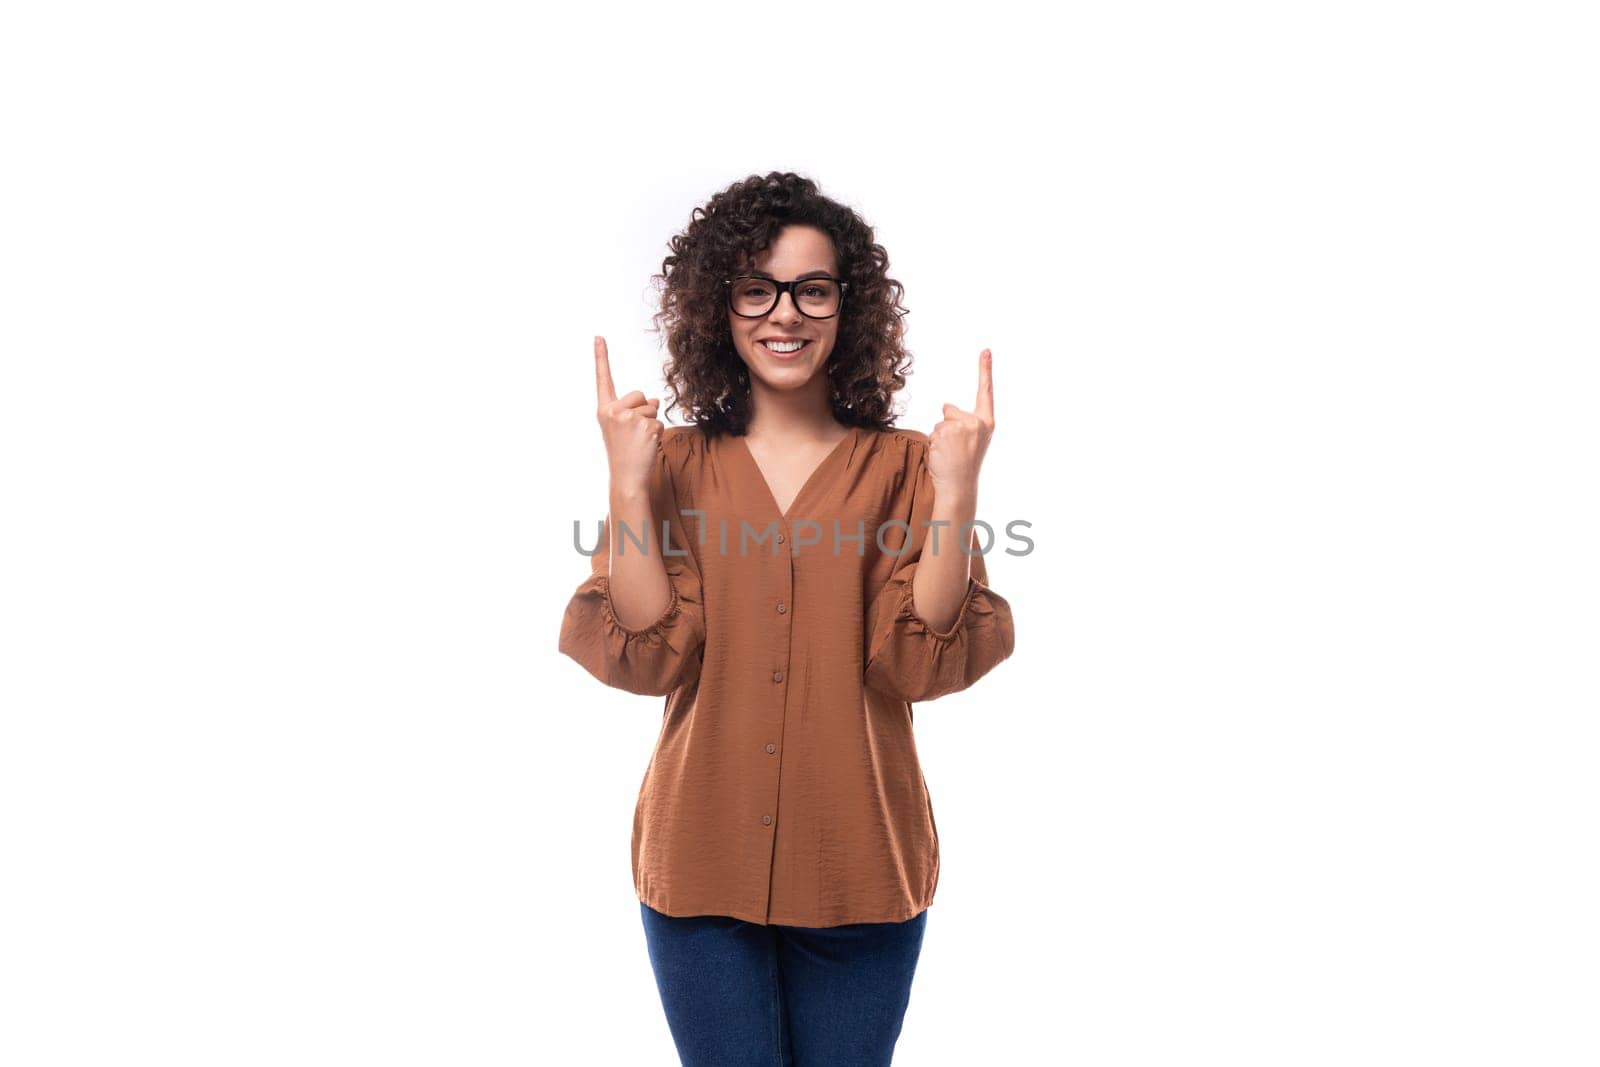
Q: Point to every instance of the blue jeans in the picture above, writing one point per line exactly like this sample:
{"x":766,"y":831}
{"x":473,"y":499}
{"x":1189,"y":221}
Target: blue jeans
{"x":739,"y":994}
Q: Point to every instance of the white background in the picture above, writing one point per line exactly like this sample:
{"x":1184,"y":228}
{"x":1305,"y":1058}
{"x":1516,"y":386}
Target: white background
{"x":1293,"y":314}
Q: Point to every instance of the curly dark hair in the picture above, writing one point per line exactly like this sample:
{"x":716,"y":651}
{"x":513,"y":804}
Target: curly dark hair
{"x":704,"y":373}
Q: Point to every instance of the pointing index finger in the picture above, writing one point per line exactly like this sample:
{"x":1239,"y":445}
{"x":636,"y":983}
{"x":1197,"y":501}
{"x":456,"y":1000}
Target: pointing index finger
{"x":985,"y":407}
{"x":602,"y":372}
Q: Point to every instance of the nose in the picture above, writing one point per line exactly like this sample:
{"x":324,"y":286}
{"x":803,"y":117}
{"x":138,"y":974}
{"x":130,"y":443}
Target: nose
{"x":777,"y":311}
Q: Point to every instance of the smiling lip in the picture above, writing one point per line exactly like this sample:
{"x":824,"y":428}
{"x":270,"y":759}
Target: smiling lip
{"x":805,"y":344}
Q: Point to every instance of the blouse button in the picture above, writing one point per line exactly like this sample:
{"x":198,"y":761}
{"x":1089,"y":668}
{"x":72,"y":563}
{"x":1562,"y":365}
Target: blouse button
{"x":766,"y":820}
{"x":782,"y":608}
{"x":772,"y":748}
{"x":780,"y":539}
{"x":777,"y":676}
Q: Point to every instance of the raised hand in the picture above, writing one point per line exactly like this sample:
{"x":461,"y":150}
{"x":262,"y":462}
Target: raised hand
{"x":957,"y":444}
{"x":629,"y":426}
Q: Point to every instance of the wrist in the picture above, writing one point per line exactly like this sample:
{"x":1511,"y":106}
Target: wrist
{"x":629,"y":493}
{"x":956,"y":504}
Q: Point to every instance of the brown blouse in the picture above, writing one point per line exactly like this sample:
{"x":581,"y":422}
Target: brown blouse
{"x":785,"y":786}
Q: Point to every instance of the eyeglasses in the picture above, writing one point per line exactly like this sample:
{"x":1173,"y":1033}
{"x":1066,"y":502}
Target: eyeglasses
{"x":815,"y":298}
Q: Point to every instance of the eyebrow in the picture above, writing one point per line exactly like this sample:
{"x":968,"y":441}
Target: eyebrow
{"x":807,"y":274}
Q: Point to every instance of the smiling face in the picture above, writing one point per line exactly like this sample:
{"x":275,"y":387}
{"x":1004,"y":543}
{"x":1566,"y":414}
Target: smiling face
{"x":797,"y":251}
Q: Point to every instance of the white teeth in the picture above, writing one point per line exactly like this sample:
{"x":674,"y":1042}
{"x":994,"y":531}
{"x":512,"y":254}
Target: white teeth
{"x":784,"y":346}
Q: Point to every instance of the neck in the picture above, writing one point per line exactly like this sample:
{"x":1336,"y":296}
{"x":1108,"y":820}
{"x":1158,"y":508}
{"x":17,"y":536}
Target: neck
{"x":791,"y":413}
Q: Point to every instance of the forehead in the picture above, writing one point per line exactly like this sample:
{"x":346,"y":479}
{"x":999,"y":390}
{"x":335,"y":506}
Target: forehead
{"x":797,"y":250}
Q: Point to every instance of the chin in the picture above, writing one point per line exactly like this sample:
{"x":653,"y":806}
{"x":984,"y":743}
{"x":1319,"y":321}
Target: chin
{"x":791,"y":378}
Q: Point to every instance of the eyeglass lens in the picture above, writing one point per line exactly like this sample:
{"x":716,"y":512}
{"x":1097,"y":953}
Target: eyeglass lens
{"x":814,"y":297}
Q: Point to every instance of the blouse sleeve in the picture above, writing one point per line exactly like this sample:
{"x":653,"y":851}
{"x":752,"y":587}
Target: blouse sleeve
{"x":660,"y":657}
{"x":906,"y":657}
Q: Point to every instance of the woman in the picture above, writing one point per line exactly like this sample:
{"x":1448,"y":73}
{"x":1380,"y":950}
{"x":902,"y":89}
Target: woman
{"x":785,"y":572}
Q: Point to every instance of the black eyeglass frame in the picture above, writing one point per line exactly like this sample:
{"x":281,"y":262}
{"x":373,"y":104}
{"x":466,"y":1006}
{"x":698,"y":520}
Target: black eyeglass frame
{"x":787,"y":287}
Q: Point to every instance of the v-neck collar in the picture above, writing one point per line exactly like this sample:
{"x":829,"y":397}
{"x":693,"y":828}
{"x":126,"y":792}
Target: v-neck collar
{"x":811,"y":479}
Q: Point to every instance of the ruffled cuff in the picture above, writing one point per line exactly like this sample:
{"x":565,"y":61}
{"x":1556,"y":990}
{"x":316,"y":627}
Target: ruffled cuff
{"x":911,"y":660}
{"x":652,"y":661}
{"x":657,"y":628}
{"x":906,"y":613}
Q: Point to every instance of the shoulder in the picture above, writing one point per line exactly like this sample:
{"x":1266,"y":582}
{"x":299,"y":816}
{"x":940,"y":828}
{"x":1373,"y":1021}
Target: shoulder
{"x":905,"y":445}
{"x":684,"y":450}
{"x":676,"y":439}
{"x":908,"y":438}
{"x":688,"y":440}
{"x":898,"y":457}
